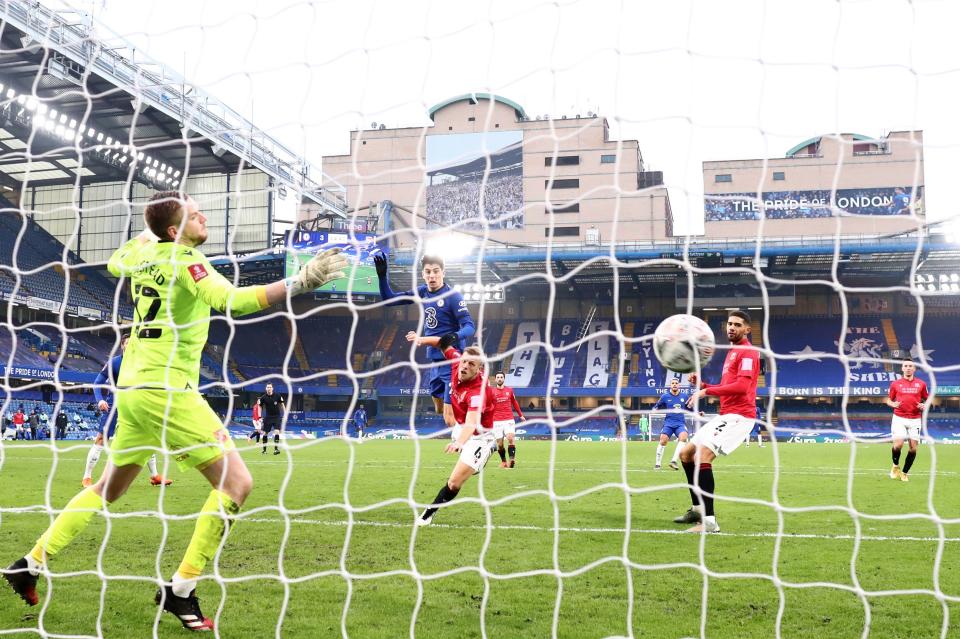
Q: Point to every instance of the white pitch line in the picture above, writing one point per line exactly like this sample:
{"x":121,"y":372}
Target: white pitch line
{"x":641,"y":531}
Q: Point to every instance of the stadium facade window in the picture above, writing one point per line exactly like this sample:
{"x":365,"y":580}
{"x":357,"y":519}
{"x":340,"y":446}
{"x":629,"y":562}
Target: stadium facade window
{"x":562,"y":184}
{"x":564,"y":208}
{"x":779,"y":175}
{"x":562,"y":160}
{"x":608,"y":158}
{"x":562,"y":231}
{"x":723,"y":177}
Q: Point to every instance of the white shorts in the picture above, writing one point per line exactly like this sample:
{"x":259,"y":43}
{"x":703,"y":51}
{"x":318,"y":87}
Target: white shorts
{"x":724,"y":433}
{"x":477,"y":450}
{"x":903,"y":428}
{"x":504,"y":427}
{"x":258,"y":424}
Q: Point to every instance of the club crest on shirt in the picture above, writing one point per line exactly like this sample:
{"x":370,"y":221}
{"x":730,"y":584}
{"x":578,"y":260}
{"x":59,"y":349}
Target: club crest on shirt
{"x":440,"y":303}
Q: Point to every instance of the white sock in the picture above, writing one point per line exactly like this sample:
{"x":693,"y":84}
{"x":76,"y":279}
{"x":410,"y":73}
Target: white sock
{"x":152,"y":466}
{"x":93,"y":456}
{"x":182,"y":587}
{"x":660,"y":449}
{"x":760,"y":439}
{"x":709,"y":520}
{"x":33,"y":565}
{"x":676,"y":451}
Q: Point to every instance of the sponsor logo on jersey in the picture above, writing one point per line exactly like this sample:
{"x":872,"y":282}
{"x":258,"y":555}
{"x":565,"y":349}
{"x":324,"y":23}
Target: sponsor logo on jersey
{"x":197,"y":272}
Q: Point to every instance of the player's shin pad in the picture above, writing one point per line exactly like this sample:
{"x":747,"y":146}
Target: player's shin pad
{"x":210,"y":528}
{"x":74,"y":518}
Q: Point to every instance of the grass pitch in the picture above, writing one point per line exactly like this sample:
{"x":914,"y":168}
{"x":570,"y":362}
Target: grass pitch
{"x":577,"y":542}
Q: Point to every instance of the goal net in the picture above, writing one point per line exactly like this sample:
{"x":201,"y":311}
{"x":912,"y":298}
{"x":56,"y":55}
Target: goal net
{"x":548,"y":182}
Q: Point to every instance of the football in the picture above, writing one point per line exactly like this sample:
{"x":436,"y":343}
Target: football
{"x":683,"y":343}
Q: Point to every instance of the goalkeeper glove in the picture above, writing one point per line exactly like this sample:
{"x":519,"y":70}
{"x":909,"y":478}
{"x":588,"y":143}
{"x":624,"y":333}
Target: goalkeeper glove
{"x":448,"y":340}
{"x":321,"y":269}
{"x":380,"y":262}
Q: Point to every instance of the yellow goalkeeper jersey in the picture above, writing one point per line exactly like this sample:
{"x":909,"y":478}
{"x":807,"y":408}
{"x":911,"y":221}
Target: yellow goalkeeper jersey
{"x":174,"y":287}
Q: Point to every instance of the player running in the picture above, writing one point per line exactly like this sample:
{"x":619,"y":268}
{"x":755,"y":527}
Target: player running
{"x":504,"y":403}
{"x":472,"y":402}
{"x":674,"y":403}
{"x":158,"y":404}
{"x":906,"y":397}
{"x":108,"y":420}
{"x":444,"y":312}
{"x":724,"y":433}
{"x":273,"y":408}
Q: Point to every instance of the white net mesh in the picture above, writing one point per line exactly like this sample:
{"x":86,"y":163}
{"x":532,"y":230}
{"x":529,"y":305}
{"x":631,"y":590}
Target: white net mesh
{"x":834,"y":248}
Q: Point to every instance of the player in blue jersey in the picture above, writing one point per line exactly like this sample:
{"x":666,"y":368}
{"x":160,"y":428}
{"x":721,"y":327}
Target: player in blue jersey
{"x":901,"y":202}
{"x":674,"y":403}
{"x":108,"y":419}
{"x":444,"y":312}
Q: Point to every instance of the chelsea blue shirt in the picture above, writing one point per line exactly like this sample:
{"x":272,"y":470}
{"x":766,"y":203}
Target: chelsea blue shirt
{"x":445,"y":311}
{"x":676,"y":407}
{"x":107,"y":377}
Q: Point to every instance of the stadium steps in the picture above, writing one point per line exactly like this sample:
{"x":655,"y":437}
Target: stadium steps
{"x":890,"y":336}
{"x":386,"y":340}
{"x":298,"y":351}
{"x":504,"y":345}
{"x":628,"y":329}
{"x":235,"y":369}
{"x":756,"y":337}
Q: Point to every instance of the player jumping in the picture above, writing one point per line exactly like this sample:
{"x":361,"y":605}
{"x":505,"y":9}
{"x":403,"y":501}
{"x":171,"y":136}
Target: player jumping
{"x":472,"y":402}
{"x":674,"y":403}
{"x":504,"y":403}
{"x":724,"y":433}
{"x":906,"y":398}
{"x":158,"y":404}
{"x":108,"y":420}
{"x":444,"y":312}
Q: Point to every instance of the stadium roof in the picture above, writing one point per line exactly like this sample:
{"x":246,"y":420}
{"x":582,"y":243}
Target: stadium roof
{"x":476,"y":97}
{"x":86,"y":78}
{"x":507,"y":156}
{"x":796,"y":149}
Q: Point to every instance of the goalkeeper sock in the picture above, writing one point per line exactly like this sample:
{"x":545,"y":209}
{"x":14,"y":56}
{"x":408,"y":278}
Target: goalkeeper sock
{"x":660,"y":449}
{"x":512,"y":451}
{"x":93,"y":456}
{"x":688,"y":470}
{"x":706,"y":483}
{"x":911,"y":455}
{"x":896,"y":456}
{"x":502,"y":452}
{"x":446,"y":494}
{"x":210,"y":529}
{"x":152,"y":465}
{"x":74,"y":518}
{"x":276,"y":441}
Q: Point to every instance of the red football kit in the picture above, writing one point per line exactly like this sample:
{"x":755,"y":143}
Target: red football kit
{"x":909,"y":393}
{"x":256,"y":412}
{"x":475,"y":395}
{"x":737,"y":389}
{"x":505,"y":402}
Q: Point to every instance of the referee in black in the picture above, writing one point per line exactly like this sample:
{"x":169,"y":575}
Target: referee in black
{"x":271,"y":412}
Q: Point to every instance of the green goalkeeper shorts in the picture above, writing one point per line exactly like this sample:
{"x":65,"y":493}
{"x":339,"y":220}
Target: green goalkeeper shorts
{"x":177,"y":421}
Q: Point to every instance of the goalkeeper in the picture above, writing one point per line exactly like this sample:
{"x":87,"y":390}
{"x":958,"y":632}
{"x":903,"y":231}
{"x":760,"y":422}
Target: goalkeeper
{"x":158,"y":404}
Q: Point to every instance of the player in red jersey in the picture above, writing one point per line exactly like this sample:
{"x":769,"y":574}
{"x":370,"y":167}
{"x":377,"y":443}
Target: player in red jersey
{"x":724,"y":433}
{"x":505,"y":402}
{"x":472,"y":401}
{"x":257,"y":424}
{"x":906,"y":398}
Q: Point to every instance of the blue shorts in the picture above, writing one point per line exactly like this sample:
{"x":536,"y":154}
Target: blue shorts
{"x":440,"y":382}
{"x":756,"y":429}
{"x":671,"y":431}
{"x":108,"y":424}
